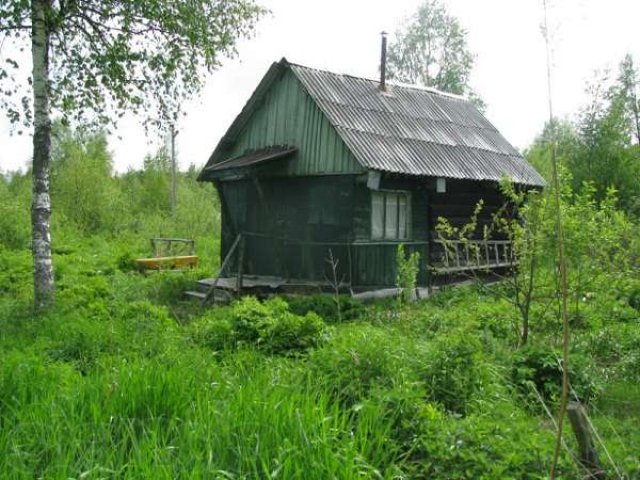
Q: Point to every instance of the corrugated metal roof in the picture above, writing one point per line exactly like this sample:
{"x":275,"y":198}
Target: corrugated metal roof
{"x":413,"y":130}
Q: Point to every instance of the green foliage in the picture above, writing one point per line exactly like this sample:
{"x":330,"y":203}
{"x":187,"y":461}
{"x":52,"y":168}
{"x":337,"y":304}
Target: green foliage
{"x":431,"y":50}
{"x":503,"y":443}
{"x":14,"y":224}
{"x":273,"y":328}
{"x":83,"y":189}
{"x":361,"y":359}
{"x":407,"y":269}
{"x":166,"y":46}
{"x":268,"y":326}
{"x":125,"y":378}
{"x":537,"y":370}
{"x":600,"y":148}
{"x":457,"y":373}
{"x":325,"y":306}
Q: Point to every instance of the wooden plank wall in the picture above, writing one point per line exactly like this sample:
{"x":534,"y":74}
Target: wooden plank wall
{"x":311,"y":210}
{"x":458,"y":204}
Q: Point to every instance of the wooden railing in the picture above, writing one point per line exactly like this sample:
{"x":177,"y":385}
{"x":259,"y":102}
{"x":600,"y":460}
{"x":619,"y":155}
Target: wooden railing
{"x":463,"y":255}
{"x":165,"y":247}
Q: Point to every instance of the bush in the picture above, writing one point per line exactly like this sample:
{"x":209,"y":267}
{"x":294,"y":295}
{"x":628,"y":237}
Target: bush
{"x":634,"y":298}
{"x":273,"y":328}
{"x":325,"y":307}
{"x":457,"y":372}
{"x":540,"y":367}
{"x":213,"y":330}
{"x":362,"y":358}
{"x":504,"y":444}
{"x":269,"y":326}
{"x":407,"y":268}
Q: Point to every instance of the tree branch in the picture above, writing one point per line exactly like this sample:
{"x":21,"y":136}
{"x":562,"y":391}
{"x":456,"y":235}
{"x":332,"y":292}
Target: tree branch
{"x":15,"y":27}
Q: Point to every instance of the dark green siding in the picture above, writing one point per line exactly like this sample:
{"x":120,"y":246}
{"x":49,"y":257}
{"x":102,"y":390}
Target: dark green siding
{"x":289,"y":116}
{"x":375,"y":261}
{"x":292,"y":225}
{"x":457,"y":205}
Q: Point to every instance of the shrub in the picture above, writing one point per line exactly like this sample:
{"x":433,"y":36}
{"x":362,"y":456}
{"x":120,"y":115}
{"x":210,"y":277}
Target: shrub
{"x":273,"y":328}
{"x":540,"y":367}
{"x":407,"y":268}
{"x":504,"y":444}
{"x":325,"y":306}
{"x":213,"y":330}
{"x":269,"y":326}
{"x":361,"y":358}
{"x":634,"y":298}
{"x":456,"y":372}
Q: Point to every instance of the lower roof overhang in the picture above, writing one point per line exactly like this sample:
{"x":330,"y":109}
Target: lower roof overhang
{"x":243,"y":165}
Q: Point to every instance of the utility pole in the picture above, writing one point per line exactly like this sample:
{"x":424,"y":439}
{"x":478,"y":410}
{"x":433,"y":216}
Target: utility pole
{"x":173,"y":134}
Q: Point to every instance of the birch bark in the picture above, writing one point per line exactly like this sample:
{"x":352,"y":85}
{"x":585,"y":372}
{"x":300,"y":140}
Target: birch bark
{"x":44,"y":286}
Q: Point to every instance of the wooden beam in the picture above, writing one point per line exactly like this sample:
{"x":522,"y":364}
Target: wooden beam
{"x":211,"y":292}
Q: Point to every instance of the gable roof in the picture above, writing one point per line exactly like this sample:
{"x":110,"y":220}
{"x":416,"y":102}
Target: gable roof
{"x":407,"y":130}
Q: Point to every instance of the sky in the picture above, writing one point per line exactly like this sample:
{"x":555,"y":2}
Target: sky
{"x":344,"y":36}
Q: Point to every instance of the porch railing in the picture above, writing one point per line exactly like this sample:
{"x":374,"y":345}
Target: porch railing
{"x":464,"y":255}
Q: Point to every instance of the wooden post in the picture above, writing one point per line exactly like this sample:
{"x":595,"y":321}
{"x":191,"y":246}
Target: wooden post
{"x":211,"y":293}
{"x":240,"y":262}
{"x":587,"y":453}
{"x":486,"y":253}
{"x":446,"y":255}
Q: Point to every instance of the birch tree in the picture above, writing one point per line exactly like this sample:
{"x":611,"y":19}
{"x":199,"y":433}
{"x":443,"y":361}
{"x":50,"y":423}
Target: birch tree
{"x":94,"y":60}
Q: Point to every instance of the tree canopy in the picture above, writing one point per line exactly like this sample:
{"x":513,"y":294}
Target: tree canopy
{"x":431,"y":50}
{"x":600,"y":147}
{"x":94,"y":60}
{"x":111,"y":57}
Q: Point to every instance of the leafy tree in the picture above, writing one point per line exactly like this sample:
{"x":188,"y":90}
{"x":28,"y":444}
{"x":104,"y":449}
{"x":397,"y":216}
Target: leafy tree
{"x":82,"y":186}
{"x":599,"y":147}
{"x":96,"y":60}
{"x":628,"y":85}
{"x":431,"y":50}
{"x":567,"y":146}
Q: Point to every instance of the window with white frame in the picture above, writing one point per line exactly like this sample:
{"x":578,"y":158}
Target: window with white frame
{"x":390,"y":215}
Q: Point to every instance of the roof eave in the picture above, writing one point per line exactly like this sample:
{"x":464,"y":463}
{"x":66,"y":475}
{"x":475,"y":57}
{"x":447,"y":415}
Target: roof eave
{"x":275,"y":70}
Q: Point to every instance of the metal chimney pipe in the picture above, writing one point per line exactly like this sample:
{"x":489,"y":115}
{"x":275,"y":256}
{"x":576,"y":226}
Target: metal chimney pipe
{"x":383,"y":63}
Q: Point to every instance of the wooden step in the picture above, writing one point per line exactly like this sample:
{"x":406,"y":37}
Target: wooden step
{"x":219,"y":296}
{"x":194,"y":294}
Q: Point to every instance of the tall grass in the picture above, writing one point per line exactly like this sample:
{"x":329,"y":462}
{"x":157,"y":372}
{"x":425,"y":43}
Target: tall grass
{"x":184,"y":416}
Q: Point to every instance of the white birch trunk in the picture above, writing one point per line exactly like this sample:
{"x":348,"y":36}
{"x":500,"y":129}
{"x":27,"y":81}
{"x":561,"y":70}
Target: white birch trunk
{"x":44,"y":286}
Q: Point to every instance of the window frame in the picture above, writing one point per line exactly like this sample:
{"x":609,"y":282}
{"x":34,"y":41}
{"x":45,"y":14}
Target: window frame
{"x":380,"y":208}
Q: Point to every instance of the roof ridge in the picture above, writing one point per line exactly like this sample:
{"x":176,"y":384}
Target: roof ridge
{"x":390,"y":83}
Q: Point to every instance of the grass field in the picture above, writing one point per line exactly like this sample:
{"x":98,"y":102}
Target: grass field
{"x":125,"y":379}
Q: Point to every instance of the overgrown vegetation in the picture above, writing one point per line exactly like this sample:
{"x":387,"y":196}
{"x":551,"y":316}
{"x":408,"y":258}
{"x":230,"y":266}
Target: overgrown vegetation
{"x":124,"y":378}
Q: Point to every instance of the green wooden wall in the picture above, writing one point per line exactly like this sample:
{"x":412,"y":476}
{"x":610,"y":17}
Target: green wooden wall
{"x":292,"y":224}
{"x":287,"y":115}
{"x":457,"y":205}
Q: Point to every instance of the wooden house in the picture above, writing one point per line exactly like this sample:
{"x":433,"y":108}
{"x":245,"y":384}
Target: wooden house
{"x":320,"y":165}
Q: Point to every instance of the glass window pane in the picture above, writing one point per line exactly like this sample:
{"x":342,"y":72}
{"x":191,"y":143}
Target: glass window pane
{"x":377,"y":214}
{"x":391,"y":217}
{"x":402,"y":217}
